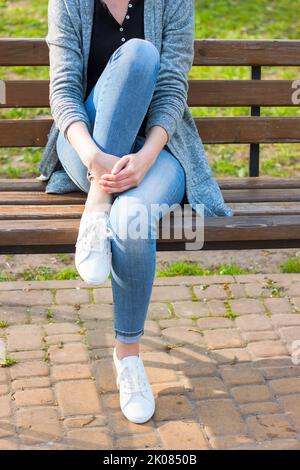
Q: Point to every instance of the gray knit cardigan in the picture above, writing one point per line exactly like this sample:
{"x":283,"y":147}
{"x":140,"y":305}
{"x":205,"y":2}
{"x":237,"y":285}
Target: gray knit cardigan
{"x":169,"y":25}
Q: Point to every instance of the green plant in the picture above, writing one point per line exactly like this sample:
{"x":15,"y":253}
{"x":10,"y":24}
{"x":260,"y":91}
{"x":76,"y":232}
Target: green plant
{"x":9,"y":361}
{"x":185,"y":268}
{"x":191,"y":268}
{"x":228,"y":268}
{"x":291,"y":265}
{"x":50,"y":314}
{"x":64,"y":258}
{"x":4,"y":277}
{"x":229,"y":313}
{"x":275,"y":290}
{"x":45,"y":273}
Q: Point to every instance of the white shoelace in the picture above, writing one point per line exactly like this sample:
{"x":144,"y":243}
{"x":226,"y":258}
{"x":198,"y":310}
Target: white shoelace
{"x":94,"y":235}
{"x":133,"y":379}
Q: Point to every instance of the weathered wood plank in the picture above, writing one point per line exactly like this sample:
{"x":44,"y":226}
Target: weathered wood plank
{"x":35,"y":93}
{"x":246,"y":52}
{"x":12,"y":198}
{"x":23,"y":51}
{"x":25,"y":93}
{"x":260,"y":182}
{"x":216,"y":229}
{"x":33,"y":133}
{"x":41,"y":198}
{"x":30,"y":51}
{"x":248,"y":130}
{"x":265,"y":208}
{"x":261,"y":195}
{"x":74,"y":211}
{"x":27,"y":212}
{"x":240,"y":93}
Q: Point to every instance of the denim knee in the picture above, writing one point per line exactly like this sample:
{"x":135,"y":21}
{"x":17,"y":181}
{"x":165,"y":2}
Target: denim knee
{"x":143,"y":53}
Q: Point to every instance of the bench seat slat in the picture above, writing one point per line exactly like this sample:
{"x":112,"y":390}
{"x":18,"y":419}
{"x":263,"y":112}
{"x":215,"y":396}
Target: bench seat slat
{"x":260,"y":182}
{"x":230,"y":195}
{"x":56,"y":231}
{"x":27,"y":212}
{"x":69,"y":211}
{"x":266,"y":208}
{"x":261,"y":195}
{"x":41,"y":198}
{"x":257,"y":182}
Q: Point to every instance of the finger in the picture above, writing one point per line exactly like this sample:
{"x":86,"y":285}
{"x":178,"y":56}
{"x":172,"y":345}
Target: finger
{"x":108,"y":184}
{"x":132,"y":182}
{"x":106,"y":188}
{"x":119,"y":190}
{"x":117,"y":184}
{"x":119,"y":165}
{"x":126,"y":172}
{"x":109,"y":177}
{"x":120,"y":169}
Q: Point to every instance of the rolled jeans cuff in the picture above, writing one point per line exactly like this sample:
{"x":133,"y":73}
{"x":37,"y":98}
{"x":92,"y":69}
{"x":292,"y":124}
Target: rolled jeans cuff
{"x":128,"y":338}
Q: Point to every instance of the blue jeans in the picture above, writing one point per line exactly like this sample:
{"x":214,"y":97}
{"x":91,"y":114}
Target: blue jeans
{"x":116,"y":107}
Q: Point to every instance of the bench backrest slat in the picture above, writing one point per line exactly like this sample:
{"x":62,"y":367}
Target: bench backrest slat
{"x":207,"y":52}
{"x":238,"y":130}
{"x":35,"y":93}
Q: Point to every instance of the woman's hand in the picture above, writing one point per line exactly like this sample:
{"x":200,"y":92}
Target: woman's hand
{"x":100,"y":163}
{"x":126,"y":173}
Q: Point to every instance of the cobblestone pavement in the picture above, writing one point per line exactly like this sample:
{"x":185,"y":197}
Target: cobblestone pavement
{"x":219,"y":352}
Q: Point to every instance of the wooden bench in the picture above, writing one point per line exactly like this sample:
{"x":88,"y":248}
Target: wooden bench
{"x":267,"y":210}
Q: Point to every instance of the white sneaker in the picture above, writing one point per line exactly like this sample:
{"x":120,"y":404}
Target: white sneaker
{"x":136,"y":397}
{"x":93,"y":247}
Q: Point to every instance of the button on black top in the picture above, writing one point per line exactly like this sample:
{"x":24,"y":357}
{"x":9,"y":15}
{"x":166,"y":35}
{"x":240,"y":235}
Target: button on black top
{"x":108,"y":34}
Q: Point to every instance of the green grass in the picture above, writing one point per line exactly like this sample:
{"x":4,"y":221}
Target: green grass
{"x":50,"y":314}
{"x":64,"y":258}
{"x":41,"y":273}
{"x":8,"y":361}
{"x":223,"y":19}
{"x":233,"y":269}
{"x":247,"y":19}
{"x":185,"y":268}
{"x":44,"y":273}
{"x":229,"y":313}
{"x":176,"y":268}
{"x":291,"y":265}
{"x":4,"y":277}
{"x":189,"y":268}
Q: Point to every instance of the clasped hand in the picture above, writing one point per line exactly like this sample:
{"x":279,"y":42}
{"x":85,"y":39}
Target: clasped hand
{"x":125,"y":173}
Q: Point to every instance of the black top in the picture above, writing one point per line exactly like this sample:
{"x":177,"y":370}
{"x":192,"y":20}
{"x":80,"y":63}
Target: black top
{"x":108,"y":34}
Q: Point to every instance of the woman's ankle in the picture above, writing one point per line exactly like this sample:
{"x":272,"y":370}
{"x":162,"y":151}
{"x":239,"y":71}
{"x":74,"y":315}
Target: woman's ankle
{"x":124,"y":349}
{"x":97,"y":206}
{"x":97,"y":200}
